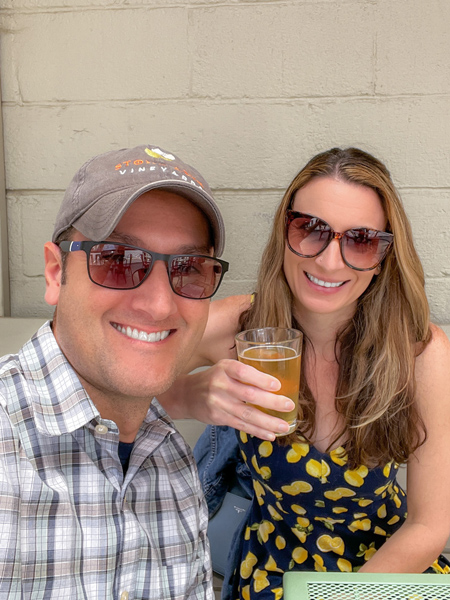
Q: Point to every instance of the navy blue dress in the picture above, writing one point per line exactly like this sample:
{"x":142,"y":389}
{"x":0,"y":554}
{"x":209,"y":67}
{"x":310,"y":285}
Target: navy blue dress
{"x":311,"y":512}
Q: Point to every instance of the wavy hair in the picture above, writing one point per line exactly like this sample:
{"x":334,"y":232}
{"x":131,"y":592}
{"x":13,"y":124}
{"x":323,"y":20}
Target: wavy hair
{"x":376,"y":349}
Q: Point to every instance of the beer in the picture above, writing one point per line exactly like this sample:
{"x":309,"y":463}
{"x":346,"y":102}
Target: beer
{"x":284,"y":364}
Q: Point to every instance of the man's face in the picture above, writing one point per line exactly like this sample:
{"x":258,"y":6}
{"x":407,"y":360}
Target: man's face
{"x":92,"y":322}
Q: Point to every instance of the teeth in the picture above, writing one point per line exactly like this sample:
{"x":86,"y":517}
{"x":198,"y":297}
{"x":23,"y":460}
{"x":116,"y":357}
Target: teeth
{"x":135,"y":334}
{"x":326,"y":284}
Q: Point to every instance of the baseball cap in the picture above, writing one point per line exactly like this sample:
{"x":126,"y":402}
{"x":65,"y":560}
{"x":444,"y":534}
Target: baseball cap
{"x":104,"y":188}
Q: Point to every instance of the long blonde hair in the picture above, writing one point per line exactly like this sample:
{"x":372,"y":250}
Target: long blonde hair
{"x":376,"y":350}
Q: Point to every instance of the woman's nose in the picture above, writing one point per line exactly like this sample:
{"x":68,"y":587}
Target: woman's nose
{"x":331,"y":257}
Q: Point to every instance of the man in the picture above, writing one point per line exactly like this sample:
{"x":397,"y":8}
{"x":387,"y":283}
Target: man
{"x":99,"y":495}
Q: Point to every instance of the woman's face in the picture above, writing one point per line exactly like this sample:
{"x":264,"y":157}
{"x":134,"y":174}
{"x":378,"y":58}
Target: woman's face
{"x":325,"y":284}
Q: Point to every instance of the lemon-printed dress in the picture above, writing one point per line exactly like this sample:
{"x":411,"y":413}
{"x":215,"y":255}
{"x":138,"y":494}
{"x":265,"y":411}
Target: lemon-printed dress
{"x":311,"y":512}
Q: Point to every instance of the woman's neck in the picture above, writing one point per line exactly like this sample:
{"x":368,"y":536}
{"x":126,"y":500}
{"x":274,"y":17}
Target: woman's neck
{"x":321,"y":330}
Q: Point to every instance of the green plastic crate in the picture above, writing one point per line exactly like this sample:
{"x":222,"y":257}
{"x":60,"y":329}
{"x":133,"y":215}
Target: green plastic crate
{"x":305,"y":585}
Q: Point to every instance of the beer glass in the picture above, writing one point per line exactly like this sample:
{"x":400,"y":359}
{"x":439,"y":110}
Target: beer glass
{"x":275,"y":351}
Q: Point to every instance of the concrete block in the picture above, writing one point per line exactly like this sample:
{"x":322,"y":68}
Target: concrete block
{"x":97,"y":55}
{"x":438,"y":293}
{"x":27,"y":298}
{"x":235,"y":145}
{"x":429,"y":213}
{"x":248,"y":220}
{"x":283,"y":50}
{"x":413,"y":47}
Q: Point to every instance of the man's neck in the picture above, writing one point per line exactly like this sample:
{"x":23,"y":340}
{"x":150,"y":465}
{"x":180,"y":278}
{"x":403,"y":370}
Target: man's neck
{"x":127,"y":413}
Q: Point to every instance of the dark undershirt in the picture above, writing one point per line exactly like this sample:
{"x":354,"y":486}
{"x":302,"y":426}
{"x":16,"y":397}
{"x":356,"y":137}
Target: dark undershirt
{"x":124,"y":454}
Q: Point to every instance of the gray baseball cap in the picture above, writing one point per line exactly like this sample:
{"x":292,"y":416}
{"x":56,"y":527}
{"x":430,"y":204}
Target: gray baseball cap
{"x":105,"y":187}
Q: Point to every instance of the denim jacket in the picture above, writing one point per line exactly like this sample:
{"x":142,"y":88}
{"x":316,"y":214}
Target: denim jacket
{"x":221,"y":468}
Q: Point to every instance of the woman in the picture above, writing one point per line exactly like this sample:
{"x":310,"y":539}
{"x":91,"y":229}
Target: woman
{"x":341,"y":266}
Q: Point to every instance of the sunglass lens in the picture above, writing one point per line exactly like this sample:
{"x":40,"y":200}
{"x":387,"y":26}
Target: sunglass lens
{"x":118,"y":266}
{"x":308,"y":235}
{"x":364,"y":248}
{"x":195,"y":276}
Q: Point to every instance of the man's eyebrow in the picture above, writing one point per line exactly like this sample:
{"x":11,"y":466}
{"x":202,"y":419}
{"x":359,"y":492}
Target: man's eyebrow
{"x":134,"y":241}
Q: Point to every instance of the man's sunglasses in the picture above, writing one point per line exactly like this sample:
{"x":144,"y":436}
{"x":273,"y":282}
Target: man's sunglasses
{"x":121,"y":267}
{"x":361,"y":249}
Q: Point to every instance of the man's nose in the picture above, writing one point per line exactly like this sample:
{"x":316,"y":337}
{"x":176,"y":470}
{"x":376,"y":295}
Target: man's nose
{"x":155,"y":296}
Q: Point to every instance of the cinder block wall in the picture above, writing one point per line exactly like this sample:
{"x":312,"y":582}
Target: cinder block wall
{"x":245,"y":90}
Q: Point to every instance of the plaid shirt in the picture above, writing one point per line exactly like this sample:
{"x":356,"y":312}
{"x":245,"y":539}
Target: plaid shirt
{"x":71,"y":525}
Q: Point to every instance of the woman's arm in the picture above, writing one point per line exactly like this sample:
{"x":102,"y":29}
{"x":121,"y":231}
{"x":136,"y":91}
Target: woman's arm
{"x":418,"y":542}
{"x":224,"y":393}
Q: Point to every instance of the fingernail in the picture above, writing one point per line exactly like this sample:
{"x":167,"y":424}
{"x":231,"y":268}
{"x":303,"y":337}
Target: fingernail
{"x":275,"y":385}
{"x":289,"y":405}
{"x":283,"y":427}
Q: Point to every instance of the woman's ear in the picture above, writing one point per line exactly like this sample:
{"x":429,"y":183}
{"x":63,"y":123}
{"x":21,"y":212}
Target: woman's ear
{"x":53,"y":273}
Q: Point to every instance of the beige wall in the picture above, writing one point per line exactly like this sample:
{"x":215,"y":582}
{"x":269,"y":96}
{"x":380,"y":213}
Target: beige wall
{"x":245,"y":90}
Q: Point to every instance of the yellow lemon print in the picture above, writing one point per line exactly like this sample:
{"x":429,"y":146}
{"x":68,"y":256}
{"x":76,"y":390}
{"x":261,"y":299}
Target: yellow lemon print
{"x":339,"y":510}
{"x":329,"y":522}
{"x":243,"y":436}
{"x":379,"y":531}
{"x":277,"y":593}
{"x":381,"y":489}
{"x":255,"y":464}
{"x":339,"y":456}
{"x":356,"y":478}
{"x":245,"y":592}
{"x":359,"y":515}
{"x":299,"y":510}
{"x":387,"y":469}
{"x":280,"y":508}
{"x":344,"y":565}
{"x":264,"y":530}
{"x":367,"y":552}
{"x":265,"y":473}
{"x":302,"y":521}
{"x":339,"y":493}
{"x":297,"y":487}
{"x":247,"y":533}
{"x":247,"y":565}
{"x":259,"y":492}
{"x":318,"y":563}
{"x":326,"y":543}
{"x":274,"y":513}
{"x":360,"y":525}
{"x":364,"y":502}
{"x":301,"y":534}
{"x":297,"y":452}
{"x":396,"y":500}
{"x":271,"y":565}
{"x":382,"y":512}
{"x":299,"y":555}
{"x":261,"y":581}
{"x":319,"y":470}
{"x":265,"y":449}
{"x":280,"y":542}
{"x":395,"y":519}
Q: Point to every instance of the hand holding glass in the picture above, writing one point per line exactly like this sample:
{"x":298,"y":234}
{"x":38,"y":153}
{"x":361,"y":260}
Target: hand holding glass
{"x":277,"y":352}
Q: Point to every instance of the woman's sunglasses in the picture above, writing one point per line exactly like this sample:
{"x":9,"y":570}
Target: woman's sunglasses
{"x":361,"y":249}
{"x":121,"y":267}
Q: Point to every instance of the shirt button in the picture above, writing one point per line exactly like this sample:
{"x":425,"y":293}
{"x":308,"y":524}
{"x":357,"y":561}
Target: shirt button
{"x":124,"y":596}
{"x":101,"y":429}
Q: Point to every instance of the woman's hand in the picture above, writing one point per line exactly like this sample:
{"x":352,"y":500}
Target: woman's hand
{"x":227,"y":394}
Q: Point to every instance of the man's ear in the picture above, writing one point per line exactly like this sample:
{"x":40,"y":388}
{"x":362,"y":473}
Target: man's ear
{"x":53,"y":272}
